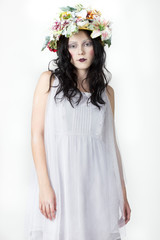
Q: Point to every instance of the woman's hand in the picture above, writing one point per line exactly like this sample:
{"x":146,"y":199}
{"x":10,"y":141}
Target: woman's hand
{"x":47,"y":202}
{"x":127,"y":211}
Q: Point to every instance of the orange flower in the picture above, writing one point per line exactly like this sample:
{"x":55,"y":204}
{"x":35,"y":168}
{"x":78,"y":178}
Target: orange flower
{"x":91,"y":14}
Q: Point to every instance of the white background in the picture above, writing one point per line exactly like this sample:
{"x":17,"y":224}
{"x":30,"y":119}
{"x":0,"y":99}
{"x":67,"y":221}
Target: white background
{"x":133,"y":59}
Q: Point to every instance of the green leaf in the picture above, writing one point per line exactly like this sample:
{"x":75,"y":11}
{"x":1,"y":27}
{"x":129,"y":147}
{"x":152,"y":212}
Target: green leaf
{"x":68,"y":8}
{"x":108,"y":42}
{"x":43,"y":48}
{"x":47,"y":39}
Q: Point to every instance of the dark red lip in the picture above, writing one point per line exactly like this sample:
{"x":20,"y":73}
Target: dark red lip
{"x":82,"y":59}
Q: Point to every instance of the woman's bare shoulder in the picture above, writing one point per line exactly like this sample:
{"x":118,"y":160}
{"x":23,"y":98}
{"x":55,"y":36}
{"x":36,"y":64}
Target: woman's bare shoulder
{"x":110,"y":91}
{"x":44,"y":80}
{"x":39,"y":102}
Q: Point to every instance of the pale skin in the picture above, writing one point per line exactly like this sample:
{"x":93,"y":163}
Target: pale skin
{"x":79,"y":47}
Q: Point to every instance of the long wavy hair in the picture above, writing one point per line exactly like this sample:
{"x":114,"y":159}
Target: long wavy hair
{"x":66,"y":72}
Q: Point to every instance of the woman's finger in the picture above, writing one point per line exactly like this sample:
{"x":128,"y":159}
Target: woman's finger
{"x":44,"y":210}
{"x":55,"y":204}
{"x":52,"y":209}
{"x":127,"y":213}
{"x":48,"y":211}
{"x":41,"y":207}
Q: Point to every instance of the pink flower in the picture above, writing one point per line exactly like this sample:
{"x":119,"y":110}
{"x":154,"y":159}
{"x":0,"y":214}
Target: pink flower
{"x":56,"y":26}
{"x":104,"y":35}
{"x":52,"y":50}
{"x":65,"y":23}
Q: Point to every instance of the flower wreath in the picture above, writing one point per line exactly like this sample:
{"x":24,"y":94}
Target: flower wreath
{"x":71,"y":19}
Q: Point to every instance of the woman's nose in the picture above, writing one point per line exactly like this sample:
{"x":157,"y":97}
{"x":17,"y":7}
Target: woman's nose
{"x":80,"y":50}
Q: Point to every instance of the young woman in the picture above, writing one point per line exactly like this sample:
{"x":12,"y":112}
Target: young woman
{"x":79,"y":190}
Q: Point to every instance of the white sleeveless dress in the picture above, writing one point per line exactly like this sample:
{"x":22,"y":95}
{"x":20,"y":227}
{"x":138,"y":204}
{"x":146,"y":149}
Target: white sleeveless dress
{"x":82,"y":163}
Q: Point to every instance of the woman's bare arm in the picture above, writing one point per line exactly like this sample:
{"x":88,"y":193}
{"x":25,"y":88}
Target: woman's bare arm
{"x":37,"y":128}
{"x":111,"y":98}
{"x":47,"y":197}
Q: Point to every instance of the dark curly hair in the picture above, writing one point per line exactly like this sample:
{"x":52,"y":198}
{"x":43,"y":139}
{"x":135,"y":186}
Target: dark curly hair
{"x":66,"y":72}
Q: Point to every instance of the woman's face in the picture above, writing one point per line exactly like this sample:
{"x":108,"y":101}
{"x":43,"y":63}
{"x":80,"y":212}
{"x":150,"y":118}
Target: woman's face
{"x":80,"y":46}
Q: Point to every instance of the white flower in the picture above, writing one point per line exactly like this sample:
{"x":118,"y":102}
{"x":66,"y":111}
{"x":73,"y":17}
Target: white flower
{"x":73,"y":14}
{"x":82,"y":23}
{"x":82,"y":13}
{"x":95,"y":33}
{"x":72,"y":28}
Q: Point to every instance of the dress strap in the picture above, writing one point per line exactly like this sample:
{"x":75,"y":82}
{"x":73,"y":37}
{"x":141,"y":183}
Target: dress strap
{"x":55,"y":82}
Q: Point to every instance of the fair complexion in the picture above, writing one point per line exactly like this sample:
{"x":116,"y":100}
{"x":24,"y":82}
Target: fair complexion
{"x":80,"y":46}
{"x":127,"y":209}
{"x":47,"y":197}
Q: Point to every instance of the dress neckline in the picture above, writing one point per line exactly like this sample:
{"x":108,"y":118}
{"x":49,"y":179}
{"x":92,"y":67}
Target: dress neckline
{"x":86,"y":92}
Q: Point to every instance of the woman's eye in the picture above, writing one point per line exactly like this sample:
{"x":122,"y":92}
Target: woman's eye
{"x":71,"y":46}
{"x":89,"y":43}
{"x":74,"y":46}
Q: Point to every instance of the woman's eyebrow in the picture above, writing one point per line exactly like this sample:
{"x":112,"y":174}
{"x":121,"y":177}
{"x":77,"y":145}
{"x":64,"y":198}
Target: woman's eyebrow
{"x":76,"y":42}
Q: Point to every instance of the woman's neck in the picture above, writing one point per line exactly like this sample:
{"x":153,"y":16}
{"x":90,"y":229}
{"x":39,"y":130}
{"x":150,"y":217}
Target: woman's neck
{"x":81,"y":75}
